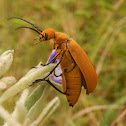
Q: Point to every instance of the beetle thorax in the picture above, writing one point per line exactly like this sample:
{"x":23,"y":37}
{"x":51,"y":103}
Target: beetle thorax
{"x":60,"y":37}
{"x":60,"y":40}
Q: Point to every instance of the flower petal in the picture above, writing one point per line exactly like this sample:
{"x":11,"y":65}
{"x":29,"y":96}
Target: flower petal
{"x":57,"y":71}
{"x":53,"y":54}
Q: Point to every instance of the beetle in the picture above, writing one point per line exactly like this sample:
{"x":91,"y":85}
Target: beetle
{"x":77,"y":69}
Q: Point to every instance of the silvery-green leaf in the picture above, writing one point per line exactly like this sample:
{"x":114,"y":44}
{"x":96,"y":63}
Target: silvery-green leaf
{"x":5,"y":61}
{"x":48,"y":110}
{"x":27,"y":122}
{"x":34,"y":96}
{"x":33,"y":69}
{"x":40,"y":72}
{"x":36,"y":109}
{"x":20,"y":110}
{"x":7,"y":117}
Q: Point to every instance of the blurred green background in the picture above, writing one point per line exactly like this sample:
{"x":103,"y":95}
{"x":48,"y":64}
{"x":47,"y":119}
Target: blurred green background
{"x":98,"y":26}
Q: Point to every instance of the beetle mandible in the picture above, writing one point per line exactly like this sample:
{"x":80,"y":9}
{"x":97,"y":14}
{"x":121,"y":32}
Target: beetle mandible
{"x":77,"y":69}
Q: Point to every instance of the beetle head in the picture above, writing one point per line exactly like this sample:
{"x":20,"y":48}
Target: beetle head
{"x":46,"y":35}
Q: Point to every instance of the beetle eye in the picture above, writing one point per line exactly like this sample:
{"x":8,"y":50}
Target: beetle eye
{"x":46,"y":36}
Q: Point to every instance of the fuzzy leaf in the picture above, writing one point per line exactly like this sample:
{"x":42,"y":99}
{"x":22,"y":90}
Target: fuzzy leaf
{"x":48,"y":110}
{"x":20,"y":110}
{"x":38,"y":106}
{"x":5,"y":61}
{"x":34,"y":96}
{"x":39,"y":72}
{"x":7,"y":117}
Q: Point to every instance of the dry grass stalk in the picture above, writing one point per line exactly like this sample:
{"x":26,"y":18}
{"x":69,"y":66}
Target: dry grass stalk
{"x":90,"y":109}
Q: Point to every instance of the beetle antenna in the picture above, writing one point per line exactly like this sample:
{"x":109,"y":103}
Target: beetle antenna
{"x":36,"y":42}
{"x":28,"y":28}
{"x":25,"y":21}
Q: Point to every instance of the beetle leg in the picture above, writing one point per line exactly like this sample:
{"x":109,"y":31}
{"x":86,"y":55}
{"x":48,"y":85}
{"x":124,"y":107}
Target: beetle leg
{"x":49,"y":82}
{"x":33,"y":67}
{"x":53,"y":60}
{"x":43,"y":79}
{"x":57,"y":75}
{"x":36,"y":81}
{"x":65,"y":82}
{"x":85,"y":86}
{"x":53,"y":68}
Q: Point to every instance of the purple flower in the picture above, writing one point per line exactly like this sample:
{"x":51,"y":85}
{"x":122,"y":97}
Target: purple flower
{"x":57,"y":71}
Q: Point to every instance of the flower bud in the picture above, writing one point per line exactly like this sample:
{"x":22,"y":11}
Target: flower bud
{"x":8,"y":81}
{"x":5,"y":61}
{"x":2,"y":86}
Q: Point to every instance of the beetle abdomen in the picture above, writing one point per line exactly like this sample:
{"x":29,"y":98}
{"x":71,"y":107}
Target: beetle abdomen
{"x":72,"y":83}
